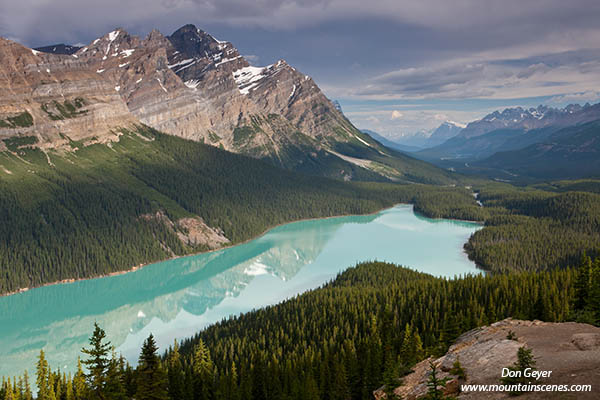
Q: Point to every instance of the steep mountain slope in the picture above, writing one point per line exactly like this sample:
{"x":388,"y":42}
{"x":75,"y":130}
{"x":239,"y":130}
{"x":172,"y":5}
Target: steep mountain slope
{"x":56,"y":99}
{"x":572,"y":152}
{"x":444,"y":132}
{"x":194,"y":86}
{"x":92,"y":210}
{"x":511,"y":129}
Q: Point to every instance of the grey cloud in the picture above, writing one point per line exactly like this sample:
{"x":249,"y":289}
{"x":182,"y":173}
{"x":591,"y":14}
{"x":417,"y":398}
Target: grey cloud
{"x":490,"y":78}
{"x":474,"y":20}
{"x":426,"y":81}
{"x":364,"y":49}
{"x":532,"y":69}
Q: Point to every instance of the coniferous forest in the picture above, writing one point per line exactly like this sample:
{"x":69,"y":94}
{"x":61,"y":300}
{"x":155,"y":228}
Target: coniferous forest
{"x":90,"y":212}
{"x":362,"y":331}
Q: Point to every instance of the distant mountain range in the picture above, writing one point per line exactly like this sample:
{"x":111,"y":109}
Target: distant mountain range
{"x":572,"y":152}
{"x":517,"y":143}
{"x":511,"y":129}
{"x":426,"y":139}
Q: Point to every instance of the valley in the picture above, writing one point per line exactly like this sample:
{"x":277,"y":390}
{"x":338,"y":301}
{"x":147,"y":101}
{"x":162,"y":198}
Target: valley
{"x":182,"y":218}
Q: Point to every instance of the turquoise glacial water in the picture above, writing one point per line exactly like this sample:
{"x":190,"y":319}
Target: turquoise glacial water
{"x":176,"y":298}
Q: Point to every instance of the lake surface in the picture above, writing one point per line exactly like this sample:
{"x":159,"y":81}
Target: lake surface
{"x":176,"y":298}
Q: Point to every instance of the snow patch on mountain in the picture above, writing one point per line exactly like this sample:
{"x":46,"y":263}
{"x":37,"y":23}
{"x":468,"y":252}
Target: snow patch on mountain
{"x":127,"y":53}
{"x":192,"y":83}
{"x":459,"y":124}
{"x":113,"y":35}
{"x":248,"y":78}
{"x":226,"y":60}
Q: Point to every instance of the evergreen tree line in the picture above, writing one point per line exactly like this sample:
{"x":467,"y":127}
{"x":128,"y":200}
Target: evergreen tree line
{"x":363,"y":330}
{"x":535,"y":230}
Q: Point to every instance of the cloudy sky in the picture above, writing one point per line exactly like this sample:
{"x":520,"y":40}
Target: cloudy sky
{"x":396,"y":66}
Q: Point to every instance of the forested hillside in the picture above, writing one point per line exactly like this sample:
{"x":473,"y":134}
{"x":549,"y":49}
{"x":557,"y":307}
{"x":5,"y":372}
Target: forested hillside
{"x":106,"y":208}
{"x":565,"y":154}
{"x":529,"y":229}
{"x":361,"y":331}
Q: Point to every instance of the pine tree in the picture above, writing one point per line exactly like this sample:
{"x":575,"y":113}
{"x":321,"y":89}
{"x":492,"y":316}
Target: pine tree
{"x":151,"y":378}
{"x":391,"y":379}
{"x":594,"y":291}
{"x":175,"y":373}
{"x":42,"y":377}
{"x":524,"y":360}
{"x":79,"y":385}
{"x":27,"y":395}
{"x":70,"y":394}
{"x":57,"y":385}
{"x":582,"y":283}
{"x":435,"y":385}
{"x":419,"y":352}
{"x":8,"y":391}
{"x":20,"y":389}
{"x":203,"y":369}
{"x":97,"y":363}
{"x":129,"y":378}
{"x":407,"y":351}
{"x":458,"y":370}
{"x":229,"y":389}
{"x":311,"y":389}
{"x":340,"y":389}
{"x":51,"y":392}
{"x":114,"y":388}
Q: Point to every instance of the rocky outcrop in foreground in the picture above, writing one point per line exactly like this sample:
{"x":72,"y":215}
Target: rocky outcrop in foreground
{"x":570,"y":350}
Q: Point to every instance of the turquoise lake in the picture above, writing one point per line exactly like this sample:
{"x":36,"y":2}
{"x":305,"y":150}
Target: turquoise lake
{"x":176,"y":298}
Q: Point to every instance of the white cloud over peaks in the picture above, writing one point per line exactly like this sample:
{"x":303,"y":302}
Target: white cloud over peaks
{"x":582,"y":97}
{"x":413,"y":121}
{"x":396,"y":114}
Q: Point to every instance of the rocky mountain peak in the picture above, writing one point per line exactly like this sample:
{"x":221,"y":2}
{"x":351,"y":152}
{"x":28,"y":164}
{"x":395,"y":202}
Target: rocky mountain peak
{"x":155,"y":39}
{"x":518,"y":118}
{"x":188,"y":84}
{"x":194,"y":52}
{"x":114,"y":44}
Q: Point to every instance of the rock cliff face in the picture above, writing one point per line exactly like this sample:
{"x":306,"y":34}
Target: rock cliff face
{"x":56,"y":98}
{"x":570,"y":350}
{"x":190,"y":85}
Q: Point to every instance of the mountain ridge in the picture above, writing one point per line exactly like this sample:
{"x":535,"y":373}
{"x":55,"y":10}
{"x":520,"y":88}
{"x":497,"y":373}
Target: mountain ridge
{"x":510,"y":129}
{"x":191,"y":85}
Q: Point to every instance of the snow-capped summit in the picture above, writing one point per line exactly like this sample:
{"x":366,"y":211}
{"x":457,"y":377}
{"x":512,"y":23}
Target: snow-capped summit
{"x":532,"y":118}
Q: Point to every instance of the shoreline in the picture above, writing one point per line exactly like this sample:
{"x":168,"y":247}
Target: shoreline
{"x":142,"y":265}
